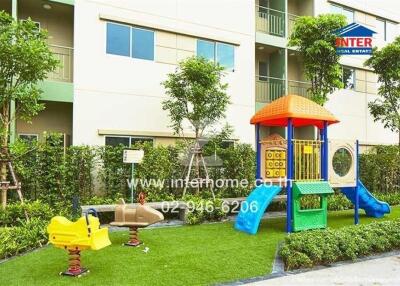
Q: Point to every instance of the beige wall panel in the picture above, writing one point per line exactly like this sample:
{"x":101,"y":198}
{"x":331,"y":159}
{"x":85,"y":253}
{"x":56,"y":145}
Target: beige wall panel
{"x":186,"y":43}
{"x":360,"y":86}
{"x":166,"y":55}
{"x":165,"y":39}
{"x":370,"y":20}
{"x":164,"y":141}
{"x":181,"y":55}
{"x":372,"y":77}
{"x":372,"y":88}
{"x":360,"y":74}
{"x":360,"y":17}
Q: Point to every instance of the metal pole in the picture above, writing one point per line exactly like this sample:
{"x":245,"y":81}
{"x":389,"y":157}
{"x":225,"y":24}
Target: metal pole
{"x":357,"y":204}
{"x":289,"y":176}
{"x":132,"y":181}
{"x":258,"y":152}
{"x":14,"y":12}
{"x":325,"y":157}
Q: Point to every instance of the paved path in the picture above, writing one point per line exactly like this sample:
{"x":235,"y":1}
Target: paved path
{"x":374,"y":272}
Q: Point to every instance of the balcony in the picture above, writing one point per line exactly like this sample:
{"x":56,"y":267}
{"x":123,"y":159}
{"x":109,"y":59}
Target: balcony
{"x":299,"y":87}
{"x":291,"y":20}
{"x":270,"y":21}
{"x":64,"y":72}
{"x":269,"y":88}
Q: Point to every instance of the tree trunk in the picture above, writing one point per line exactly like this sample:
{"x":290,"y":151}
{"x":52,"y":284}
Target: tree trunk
{"x":4,"y":154}
{"x":197,"y":146}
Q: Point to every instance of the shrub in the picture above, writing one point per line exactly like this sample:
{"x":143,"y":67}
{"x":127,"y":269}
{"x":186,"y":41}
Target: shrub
{"x":21,"y":238}
{"x":310,"y":248}
{"x":380,"y":169}
{"x":14,"y":214}
{"x":200,"y":210}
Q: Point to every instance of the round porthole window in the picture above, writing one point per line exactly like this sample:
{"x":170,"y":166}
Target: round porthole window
{"x":342,"y":162}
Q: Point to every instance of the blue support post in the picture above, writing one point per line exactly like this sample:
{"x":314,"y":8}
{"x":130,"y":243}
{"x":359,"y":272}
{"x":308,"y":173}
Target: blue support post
{"x":289,"y":176}
{"x":321,"y":138}
{"x":325,"y":152}
{"x":357,"y":204}
{"x":258,"y":153}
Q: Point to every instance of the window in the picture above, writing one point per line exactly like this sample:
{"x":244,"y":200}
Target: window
{"x":127,"y":141}
{"x":28,"y":137}
{"x":262,"y":71}
{"x":217,"y":52}
{"x":118,"y":39}
{"x":225,"y":55}
{"x":142,"y":44}
{"x":348,"y":13}
{"x":385,"y":30}
{"x":348,"y":78}
{"x":380,"y":29}
{"x":130,"y":41}
{"x":391,"y":31}
{"x":206,"y":50}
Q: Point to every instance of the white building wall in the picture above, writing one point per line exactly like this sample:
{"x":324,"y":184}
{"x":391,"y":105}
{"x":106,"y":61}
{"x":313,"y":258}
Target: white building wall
{"x":121,"y":93}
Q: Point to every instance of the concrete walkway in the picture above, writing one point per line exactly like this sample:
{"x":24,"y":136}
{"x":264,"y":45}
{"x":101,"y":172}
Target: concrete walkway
{"x":380,"y":271}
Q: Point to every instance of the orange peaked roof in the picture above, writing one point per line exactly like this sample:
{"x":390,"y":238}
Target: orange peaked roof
{"x":302,"y":111}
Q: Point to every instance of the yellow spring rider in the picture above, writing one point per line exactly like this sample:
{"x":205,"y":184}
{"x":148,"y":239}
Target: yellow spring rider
{"x":83,"y":234}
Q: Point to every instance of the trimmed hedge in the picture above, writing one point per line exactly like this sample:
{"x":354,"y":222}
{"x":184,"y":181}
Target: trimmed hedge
{"x":321,"y":247}
{"x":19,"y":239}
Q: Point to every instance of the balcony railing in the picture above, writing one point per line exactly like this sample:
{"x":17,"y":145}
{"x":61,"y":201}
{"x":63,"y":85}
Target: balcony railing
{"x":65,"y":71}
{"x":269,"y":88}
{"x":270,"y":21}
{"x":291,"y":20}
{"x":299,"y":87}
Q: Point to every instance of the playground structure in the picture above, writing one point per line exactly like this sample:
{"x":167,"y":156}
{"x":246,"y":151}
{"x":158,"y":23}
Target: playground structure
{"x":74,"y":237}
{"x":303,"y":167}
{"x":140,"y":217}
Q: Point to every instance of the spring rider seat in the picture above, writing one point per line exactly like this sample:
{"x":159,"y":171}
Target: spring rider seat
{"x":74,"y":237}
{"x":140,"y":217}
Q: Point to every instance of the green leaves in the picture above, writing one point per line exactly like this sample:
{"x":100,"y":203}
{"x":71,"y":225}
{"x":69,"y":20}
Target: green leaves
{"x":386,"y":64}
{"x":25,"y":60}
{"x":309,"y":248}
{"x":315,"y":39}
{"x":195,"y":94}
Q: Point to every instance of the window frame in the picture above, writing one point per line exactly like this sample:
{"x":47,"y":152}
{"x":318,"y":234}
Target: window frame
{"x":129,"y":137}
{"x":215,"y":51}
{"x":28,"y":134}
{"x":342,"y":9}
{"x":131,"y":45}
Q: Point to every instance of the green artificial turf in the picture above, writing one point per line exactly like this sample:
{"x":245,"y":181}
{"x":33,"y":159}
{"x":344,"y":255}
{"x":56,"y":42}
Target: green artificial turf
{"x":188,"y":255}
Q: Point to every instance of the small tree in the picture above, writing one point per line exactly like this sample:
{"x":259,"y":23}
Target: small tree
{"x":196,"y":95}
{"x":25,"y":59}
{"x":386,"y":64}
{"x":315,"y":39}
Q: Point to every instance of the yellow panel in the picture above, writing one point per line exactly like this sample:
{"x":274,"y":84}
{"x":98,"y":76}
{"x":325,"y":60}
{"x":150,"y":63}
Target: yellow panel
{"x":269,"y":154}
{"x":283,"y":173}
{"x":276,"y":164}
{"x":308,"y":149}
{"x":282,"y":164}
{"x":270,"y":164}
{"x":277,"y":172}
{"x":268,"y":173}
{"x":283,"y":154}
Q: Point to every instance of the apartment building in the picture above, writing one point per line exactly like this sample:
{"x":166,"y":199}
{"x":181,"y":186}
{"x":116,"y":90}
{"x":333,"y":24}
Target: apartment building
{"x":115,"y":54}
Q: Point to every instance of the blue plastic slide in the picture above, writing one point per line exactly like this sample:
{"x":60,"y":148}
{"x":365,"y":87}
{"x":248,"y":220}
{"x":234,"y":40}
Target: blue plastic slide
{"x":372,"y":206}
{"x":254,"y":207}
